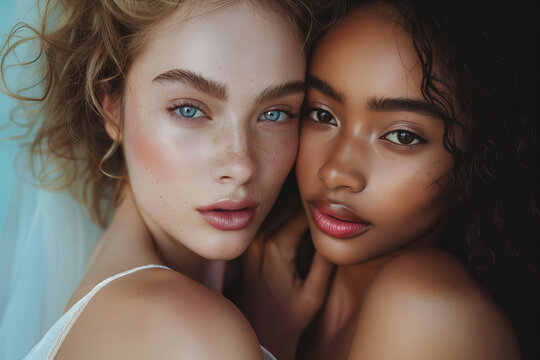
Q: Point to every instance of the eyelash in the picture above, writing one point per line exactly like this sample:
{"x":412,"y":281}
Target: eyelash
{"x":173,"y":110}
{"x":288,"y":114}
{"x":419,"y":140}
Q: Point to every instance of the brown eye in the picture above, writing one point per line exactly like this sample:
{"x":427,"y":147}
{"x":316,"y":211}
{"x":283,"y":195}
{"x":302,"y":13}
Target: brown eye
{"x":322,"y":116}
{"x":403,"y":137}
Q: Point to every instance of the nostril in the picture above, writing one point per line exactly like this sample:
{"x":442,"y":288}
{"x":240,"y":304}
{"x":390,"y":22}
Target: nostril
{"x":319,"y":175}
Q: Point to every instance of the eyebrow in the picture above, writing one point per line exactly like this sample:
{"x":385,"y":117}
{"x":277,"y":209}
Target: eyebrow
{"x":281,"y":90}
{"x":325,"y":88}
{"x":219,"y":90}
{"x":210,"y":87}
{"x":404,"y":104}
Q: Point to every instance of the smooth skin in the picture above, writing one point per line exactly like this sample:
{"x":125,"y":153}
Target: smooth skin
{"x":365,"y":150}
{"x":210,"y":112}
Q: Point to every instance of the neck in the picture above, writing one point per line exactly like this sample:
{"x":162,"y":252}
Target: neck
{"x":130,"y":241}
{"x":173,"y":254}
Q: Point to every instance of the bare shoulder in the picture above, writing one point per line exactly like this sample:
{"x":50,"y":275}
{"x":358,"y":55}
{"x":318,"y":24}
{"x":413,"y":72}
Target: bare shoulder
{"x":160,"y":314}
{"x":425,"y":305}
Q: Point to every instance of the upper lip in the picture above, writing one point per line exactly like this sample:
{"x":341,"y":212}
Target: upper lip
{"x":337,"y":210}
{"x":229,"y":204}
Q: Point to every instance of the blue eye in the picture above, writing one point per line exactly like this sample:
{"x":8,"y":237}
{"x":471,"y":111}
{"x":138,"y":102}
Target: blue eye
{"x":189,"y":111}
{"x":322,"y":116}
{"x":274,"y":116}
{"x":403,"y":137}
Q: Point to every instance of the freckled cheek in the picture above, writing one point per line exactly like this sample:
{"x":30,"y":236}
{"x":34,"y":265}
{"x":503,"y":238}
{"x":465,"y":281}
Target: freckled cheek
{"x":157,"y":153}
{"x":140,"y":150}
{"x":144,"y":165}
{"x":278,"y":155}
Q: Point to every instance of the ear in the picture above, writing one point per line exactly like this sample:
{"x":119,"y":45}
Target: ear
{"x":112,"y":106}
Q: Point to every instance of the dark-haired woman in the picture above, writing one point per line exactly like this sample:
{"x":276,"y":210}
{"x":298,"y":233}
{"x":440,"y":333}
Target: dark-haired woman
{"x":418,"y":173}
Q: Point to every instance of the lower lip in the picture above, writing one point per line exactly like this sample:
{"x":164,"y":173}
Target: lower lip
{"x":336,"y":227}
{"x":228,"y":220}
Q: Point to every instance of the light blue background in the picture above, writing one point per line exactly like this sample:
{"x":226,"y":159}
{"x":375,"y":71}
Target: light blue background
{"x":45,"y":236}
{"x":10,"y":13}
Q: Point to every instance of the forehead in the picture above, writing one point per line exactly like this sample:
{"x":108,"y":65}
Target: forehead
{"x":237,"y":43}
{"x":369,"y":50}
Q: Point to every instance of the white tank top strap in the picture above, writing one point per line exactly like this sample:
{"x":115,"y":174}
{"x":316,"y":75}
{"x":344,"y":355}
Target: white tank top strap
{"x":123,"y":273}
{"x":49,"y":345}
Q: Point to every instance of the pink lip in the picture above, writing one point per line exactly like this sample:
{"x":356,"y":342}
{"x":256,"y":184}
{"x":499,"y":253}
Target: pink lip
{"x":229,"y":214}
{"x":337,"y":220}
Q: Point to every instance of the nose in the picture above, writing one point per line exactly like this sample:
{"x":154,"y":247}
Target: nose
{"x":343,"y":170}
{"x":236,"y":161}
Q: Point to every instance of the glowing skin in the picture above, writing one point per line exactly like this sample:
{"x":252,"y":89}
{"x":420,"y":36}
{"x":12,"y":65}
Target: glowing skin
{"x":372,"y":173}
{"x":211,"y":124}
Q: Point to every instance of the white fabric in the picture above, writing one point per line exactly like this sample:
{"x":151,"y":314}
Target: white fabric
{"x":267,"y":355}
{"x":48,"y":347}
{"x":45,"y":244}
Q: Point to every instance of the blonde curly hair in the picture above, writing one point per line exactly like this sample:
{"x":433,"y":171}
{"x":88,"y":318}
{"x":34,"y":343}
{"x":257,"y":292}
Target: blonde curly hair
{"x":86,"y":49}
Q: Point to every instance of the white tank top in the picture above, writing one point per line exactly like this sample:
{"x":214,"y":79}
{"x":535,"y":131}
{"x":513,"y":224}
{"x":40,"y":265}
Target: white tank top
{"x":53,"y":339}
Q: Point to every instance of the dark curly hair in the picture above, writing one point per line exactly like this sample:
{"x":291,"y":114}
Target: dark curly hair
{"x":480,"y":69}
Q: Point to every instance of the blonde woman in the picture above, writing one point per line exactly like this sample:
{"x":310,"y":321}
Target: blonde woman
{"x":182,"y":117}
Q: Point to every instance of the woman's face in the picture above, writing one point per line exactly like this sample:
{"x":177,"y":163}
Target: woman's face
{"x":372,"y":168}
{"x":211,"y":125}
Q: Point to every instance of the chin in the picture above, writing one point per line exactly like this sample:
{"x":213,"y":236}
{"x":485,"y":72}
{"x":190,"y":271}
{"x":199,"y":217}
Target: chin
{"x":341,"y":258}
{"x":341,"y":252}
{"x":225,"y":247}
{"x":335,"y":253}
